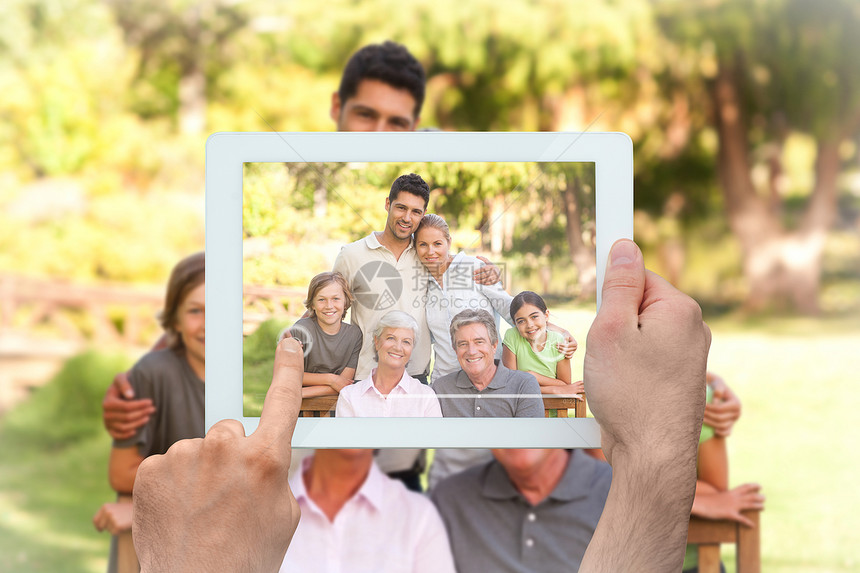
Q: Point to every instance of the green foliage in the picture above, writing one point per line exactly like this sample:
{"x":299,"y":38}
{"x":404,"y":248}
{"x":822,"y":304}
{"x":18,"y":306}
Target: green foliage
{"x":68,"y":408}
{"x":119,"y":237}
{"x":258,"y":360}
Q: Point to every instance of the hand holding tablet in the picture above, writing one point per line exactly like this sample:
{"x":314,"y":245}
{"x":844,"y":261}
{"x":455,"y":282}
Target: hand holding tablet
{"x":223,"y":502}
{"x":645,"y":378}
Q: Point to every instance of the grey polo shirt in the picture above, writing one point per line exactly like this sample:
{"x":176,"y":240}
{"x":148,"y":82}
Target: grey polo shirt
{"x":510,"y":394}
{"x":493,"y":528}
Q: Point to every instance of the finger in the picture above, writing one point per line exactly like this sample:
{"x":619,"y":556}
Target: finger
{"x":623,"y":285}
{"x":120,"y":435}
{"x":749,"y":487}
{"x":123,"y":385}
{"x":739,"y":517}
{"x":284,"y":397}
{"x":483,"y":259}
{"x":122,"y":407}
{"x":130,"y":419}
{"x":129,"y":427}
{"x":98,"y":519}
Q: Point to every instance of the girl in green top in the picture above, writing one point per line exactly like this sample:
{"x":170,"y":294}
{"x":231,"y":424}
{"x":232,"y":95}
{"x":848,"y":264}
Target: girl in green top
{"x":532,"y":348}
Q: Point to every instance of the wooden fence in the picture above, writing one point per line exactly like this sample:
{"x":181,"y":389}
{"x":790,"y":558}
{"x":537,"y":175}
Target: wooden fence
{"x":116,"y":313}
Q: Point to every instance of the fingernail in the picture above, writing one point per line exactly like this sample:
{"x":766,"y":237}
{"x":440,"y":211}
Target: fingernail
{"x":623,"y":253}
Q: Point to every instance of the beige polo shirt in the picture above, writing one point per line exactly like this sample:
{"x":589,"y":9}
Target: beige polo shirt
{"x":381,"y":283}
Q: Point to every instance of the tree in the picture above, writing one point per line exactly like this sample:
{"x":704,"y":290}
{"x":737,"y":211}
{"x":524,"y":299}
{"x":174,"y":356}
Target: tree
{"x":181,"y":45}
{"x":772,"y":69}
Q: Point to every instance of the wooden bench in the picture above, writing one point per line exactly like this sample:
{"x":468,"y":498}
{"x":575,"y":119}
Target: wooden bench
{"x":323,"y":406}
{"x":709,"y":533}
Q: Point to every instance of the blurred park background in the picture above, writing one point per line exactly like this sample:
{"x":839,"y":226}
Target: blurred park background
{"x":745,"y":116}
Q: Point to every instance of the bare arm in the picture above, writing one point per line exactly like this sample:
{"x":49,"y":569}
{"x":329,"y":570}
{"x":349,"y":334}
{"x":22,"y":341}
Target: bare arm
{"x":728,"y":504}
{"x":562,"y":384}
{"x":713,"y":463}
{"x":648,"y":344}
{"x":122,"y":468}
{"x":509,"y":359}
{"x":569,"y":346}
{"x":122,"y":415}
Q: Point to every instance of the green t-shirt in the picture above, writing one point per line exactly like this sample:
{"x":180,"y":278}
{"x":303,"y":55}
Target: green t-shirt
{"x":691,"y":557}
{"x":543,"y":362}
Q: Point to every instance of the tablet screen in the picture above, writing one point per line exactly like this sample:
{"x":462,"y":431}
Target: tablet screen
{"x":297,"y":217}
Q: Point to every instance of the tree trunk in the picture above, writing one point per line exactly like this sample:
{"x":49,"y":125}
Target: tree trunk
{"x":192,"y":101}
{"x":581,"y":254}
{"x":782,"y":268}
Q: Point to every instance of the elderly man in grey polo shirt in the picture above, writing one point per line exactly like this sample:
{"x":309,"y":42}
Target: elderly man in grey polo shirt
{"x":484,"y":388}
{"x":527,"y":511}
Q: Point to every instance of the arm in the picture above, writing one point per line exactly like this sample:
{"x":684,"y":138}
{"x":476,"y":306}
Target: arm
{"x":333,"y":382}
{"x":724,"y":410}
{"x":713,"y":464}
{"x":317,"y":391}
{"x":561,"y":385}
{"x":569,"y":346}
{"x":713,"y":498}
{"x":122,"y":468}
{"x":509,"y":359}
{"x":122,"y":415}
{"x":489,"y":274}
{"x":647,"y":344}
{"x":223,"y":502}
{"x":712,"y":504}
{"x":344,"y":408}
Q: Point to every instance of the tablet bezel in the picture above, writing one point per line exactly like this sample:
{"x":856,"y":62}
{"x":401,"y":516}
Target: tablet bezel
{"x":226,"y":154}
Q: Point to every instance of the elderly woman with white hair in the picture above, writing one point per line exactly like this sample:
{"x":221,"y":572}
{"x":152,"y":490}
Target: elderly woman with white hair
{"x":389,"y":392}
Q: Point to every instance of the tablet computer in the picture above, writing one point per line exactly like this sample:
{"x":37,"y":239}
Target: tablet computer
{"x":313,"y":176}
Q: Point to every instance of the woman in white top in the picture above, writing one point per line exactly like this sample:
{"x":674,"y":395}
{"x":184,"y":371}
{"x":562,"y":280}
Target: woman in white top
{"x":452,"y":289}
{"x":389,"y":391}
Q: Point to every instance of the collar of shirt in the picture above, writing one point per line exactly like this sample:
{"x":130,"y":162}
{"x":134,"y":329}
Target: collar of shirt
{"x":402,"y":387}
{"x":373,"y":243}
{"x":575,"y":483}
{"x":371,"y":490}
{"x":499,"y":378}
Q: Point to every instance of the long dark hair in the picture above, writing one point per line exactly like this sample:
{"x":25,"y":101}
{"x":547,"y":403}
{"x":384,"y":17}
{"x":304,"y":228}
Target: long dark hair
{"x":527,"y":297}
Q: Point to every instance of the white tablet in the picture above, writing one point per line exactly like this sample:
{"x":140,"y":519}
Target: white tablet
{"x":289,"y":168}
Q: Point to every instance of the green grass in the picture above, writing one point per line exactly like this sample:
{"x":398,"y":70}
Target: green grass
{"x":53,"y":472}
{"x":799,"y":381}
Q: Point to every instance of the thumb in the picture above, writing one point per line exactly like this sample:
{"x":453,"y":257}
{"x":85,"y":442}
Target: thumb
{"x":623,"y":283}
{"x":284,"y":333}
